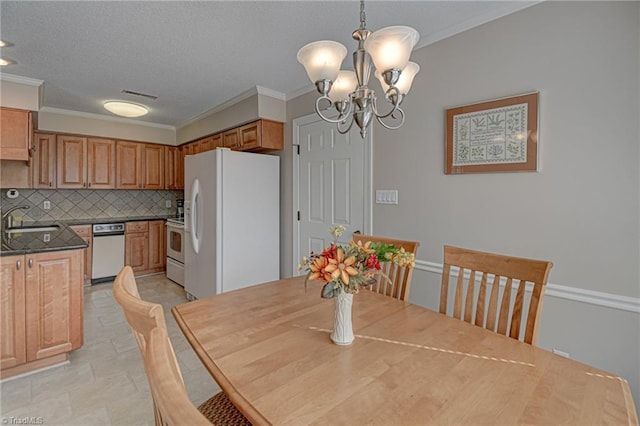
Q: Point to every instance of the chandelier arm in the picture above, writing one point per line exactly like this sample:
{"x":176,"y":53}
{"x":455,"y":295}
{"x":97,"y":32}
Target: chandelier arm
{"x":341,"y":117}
{"x":387,"y":126}
{"x":395,"y":101}
{"x":341,"y":131}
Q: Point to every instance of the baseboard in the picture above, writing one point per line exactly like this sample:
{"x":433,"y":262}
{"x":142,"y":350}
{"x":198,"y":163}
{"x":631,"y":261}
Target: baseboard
{"x":599,"y":298}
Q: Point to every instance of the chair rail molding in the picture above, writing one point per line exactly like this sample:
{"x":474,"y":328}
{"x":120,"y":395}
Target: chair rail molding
{"x":609,"y":300}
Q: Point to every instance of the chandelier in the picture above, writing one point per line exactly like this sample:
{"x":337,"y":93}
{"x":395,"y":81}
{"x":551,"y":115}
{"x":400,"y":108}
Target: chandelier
{"x":389,"y":49}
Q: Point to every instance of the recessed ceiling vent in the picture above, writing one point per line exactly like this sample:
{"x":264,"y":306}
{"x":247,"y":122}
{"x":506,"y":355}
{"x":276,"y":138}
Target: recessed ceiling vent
{"x":144,"y":95}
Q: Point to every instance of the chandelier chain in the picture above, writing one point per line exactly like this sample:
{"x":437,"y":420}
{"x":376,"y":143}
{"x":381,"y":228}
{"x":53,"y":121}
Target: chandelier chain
{"x":363,"y":16}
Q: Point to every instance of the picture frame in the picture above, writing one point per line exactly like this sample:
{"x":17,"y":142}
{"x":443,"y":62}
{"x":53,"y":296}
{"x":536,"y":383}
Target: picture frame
{"x":499,"y":135}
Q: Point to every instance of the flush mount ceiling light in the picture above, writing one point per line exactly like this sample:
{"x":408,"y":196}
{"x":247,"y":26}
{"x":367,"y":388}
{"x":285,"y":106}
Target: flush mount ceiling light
{"x":126,"y":109}
{"x":389,"y":49}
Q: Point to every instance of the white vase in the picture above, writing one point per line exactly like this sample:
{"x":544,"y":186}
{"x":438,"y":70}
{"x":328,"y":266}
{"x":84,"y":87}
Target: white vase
{"x":342,"y":328}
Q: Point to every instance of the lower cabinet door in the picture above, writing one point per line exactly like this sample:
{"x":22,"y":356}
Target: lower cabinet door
{"x":12,"y":305}
{"x":136,"y":251}
{"x":54,"y":295}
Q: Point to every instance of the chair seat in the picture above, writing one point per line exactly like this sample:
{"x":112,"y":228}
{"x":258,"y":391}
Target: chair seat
{"x":220,"y":411}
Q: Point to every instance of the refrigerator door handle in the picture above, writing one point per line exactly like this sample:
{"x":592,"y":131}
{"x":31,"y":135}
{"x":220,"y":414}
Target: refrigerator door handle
{"x":195,"y":213}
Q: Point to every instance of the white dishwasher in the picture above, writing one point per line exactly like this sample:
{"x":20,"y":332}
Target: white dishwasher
{"x":108,"y":251}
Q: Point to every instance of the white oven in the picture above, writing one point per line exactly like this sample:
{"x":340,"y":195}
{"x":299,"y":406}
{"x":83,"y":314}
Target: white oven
{"x":175,"y":250}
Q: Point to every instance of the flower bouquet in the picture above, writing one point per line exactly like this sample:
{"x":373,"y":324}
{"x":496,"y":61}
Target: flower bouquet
{"x":344,"y":269}
{"x":347,"y":268}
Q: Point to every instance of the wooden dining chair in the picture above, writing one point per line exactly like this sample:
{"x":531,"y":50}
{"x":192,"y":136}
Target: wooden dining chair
{"x":400,"y":277}
{"x":144,"y":317}
{"x":504,"y":314}
{"x":167,"y":388}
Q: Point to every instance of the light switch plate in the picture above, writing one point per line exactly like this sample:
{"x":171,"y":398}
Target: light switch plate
{"x":167,"y":204}
{"x":386,"y":196}
{"x":47,"y":205}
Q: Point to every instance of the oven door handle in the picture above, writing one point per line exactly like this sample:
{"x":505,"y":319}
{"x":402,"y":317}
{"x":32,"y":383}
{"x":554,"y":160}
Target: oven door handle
{"x":175,"y":225}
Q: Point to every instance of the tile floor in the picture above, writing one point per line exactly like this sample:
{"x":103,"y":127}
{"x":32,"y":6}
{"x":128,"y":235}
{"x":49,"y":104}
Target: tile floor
{"x":105,"y":382}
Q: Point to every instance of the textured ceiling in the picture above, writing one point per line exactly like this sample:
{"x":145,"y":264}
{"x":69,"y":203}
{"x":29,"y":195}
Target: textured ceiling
{"x":195,"y":56}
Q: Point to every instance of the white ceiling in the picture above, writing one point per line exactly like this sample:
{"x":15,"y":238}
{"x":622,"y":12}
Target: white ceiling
{"x":195,"y":56}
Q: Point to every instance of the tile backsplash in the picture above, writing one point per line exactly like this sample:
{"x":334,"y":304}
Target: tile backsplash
{"x":69,"y":204}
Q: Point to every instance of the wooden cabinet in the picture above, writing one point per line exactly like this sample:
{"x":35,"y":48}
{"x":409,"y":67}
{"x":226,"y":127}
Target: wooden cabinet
{"x":145,"y":249}
{"x":207,"y":144}
{"x":261,"y":135}
{"x":139,"y":165}
{"x":85,"y":162}
{"x":86,"y":233}
{"x":157,"y":243}
{"x":231,"y":138}
{"x":54,"y":294}
{"x":42,"y":305}
{"x":153,"y":166}
{"x":101,"y":163}
{"x":173,"y":167}
{"x":216,"y":141}
{"x":12,"y":305}
{"x":15,"y":134}
{"x":71,"y":161}
{"x":43,"y":164}
{"x":136,"y":246}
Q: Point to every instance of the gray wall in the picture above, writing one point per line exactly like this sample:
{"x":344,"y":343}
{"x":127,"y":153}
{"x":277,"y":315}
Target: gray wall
{"x":581,"y":210}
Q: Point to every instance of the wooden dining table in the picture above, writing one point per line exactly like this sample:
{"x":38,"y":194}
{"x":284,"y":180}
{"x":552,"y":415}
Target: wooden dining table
{"x":268,"y":347}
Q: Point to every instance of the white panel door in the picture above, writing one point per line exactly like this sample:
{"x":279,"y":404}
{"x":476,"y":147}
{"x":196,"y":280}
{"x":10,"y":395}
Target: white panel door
{"x":331,"y":189}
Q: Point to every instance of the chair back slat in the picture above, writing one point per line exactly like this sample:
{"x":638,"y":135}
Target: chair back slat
{"x":503,"y":319}
{"x":492,"y":311}
{"x":507,"y":310}
{"x":516,"y":316}
{"x":480,"y":307}
{"x":468,"y":304}
{"x":444,"y":290}
{"x":457,"y":302}
{"x":400,"y":277}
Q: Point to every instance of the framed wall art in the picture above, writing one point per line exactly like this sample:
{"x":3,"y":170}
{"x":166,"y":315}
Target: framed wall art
{"x":493,"y":136}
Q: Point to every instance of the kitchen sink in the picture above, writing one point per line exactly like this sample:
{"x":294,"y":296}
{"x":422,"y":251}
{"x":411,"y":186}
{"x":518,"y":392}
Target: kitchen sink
{"x":26,"y":229}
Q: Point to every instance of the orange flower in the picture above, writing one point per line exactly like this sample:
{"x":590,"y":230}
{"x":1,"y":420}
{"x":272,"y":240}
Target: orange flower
{"x":318,"y":269}
{"x":342,"y":268}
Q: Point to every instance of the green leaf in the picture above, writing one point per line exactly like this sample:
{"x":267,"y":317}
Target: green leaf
{"x":329,"y":290}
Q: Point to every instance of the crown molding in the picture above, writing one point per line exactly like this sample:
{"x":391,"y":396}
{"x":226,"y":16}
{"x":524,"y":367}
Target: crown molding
{"x":271,"y":93}
{"x":476,"y":21}
{"x":21,"y":80}
{"x":101,"y":117}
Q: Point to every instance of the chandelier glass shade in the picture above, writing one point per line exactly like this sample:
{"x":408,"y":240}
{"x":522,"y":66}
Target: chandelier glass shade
{"x":347,"y":91}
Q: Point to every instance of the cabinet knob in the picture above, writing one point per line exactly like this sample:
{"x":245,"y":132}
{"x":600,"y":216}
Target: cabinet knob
{"x":30,"y":263}
{"x":18,"y":265}
{"x":49,"y":184}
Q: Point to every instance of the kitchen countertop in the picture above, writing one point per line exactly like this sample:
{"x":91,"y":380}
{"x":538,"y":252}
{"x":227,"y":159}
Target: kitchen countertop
{"x":63,"y":238}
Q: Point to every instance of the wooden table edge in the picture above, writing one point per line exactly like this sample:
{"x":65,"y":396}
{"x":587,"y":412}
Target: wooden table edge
{"x":629,"y":402}
{"x":238,"y":400}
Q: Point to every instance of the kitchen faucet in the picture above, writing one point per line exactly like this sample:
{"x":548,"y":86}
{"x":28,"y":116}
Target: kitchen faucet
{"x":7,"y":217}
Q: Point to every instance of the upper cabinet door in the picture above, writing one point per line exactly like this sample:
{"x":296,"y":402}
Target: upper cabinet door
{"x":173,"y":167}
{"x":231,"y":139}
{"x":72,"y":171}
{"x":15,"y":134}
{"x":153,"y":166}
{"x":43,"y":166}
{"x":101,"y":163}
{"x":129,"y":165}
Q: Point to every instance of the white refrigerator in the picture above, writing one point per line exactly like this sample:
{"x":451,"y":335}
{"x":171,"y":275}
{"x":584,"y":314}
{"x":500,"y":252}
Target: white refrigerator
{"x":232,"y":221}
